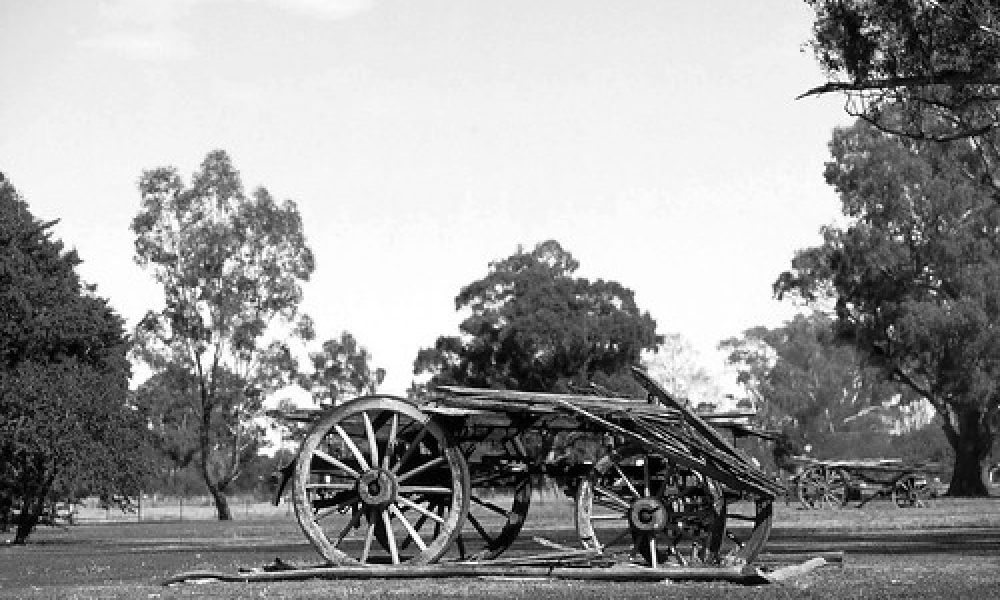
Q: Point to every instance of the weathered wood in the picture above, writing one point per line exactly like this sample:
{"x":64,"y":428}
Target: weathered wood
{"x":745,"y":575}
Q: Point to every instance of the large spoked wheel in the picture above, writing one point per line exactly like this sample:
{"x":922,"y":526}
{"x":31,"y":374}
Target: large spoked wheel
{"x":911,"y":491}
{"x":500,"y":496}
{"x":820,"y":487}
{"x":643,"y":505}
{"x":376,"y":482}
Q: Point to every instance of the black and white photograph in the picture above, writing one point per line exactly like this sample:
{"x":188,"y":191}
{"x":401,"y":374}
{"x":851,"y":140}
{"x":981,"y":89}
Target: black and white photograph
{"x":549,"y":299}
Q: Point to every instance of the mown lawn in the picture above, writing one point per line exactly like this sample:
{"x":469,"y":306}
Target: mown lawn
{"x":948,"y":550}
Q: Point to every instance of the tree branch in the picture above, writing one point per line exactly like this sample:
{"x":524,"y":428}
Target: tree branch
{"x":944,"y":78}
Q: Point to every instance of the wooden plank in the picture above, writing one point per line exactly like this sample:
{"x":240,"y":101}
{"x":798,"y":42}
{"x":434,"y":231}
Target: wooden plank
{"x":747,"y":575}
{"x":511,"y":400}
{"x":703,"y":428}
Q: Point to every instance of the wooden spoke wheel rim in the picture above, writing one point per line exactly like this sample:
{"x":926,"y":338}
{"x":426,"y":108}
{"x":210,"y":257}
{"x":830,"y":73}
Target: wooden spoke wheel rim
{"x":495,"y":520}
{"x":646,"y":506}
{"x":376,"y":482}
{"x":820,"y":486}
{"x":910,"y":491}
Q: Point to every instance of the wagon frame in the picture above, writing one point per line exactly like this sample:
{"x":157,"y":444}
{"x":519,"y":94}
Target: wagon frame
{"x":385,"y":480}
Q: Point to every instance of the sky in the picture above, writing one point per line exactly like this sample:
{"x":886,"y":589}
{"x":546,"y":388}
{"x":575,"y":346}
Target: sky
{"x":659,"y":141}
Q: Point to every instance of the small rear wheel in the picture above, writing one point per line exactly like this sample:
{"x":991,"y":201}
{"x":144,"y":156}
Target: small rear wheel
{"x":911,"y":491}
{"x":823,"y":487}
{"x":645,"y":506}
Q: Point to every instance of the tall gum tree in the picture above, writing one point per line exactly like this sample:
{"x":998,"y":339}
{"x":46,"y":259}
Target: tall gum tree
{"x":915,"y":275}
{"x":533,"y":325}
{"x":231,"y":267}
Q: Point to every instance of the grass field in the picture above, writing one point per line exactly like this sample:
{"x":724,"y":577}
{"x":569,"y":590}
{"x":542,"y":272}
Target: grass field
{"x":950,"y":549}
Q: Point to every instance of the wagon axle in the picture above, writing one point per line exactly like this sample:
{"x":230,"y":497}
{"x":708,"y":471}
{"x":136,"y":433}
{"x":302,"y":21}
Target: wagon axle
{"x":377,"y":488}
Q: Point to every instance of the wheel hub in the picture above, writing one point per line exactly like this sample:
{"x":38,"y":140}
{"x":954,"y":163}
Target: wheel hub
{"x":648,"y":514}
{"x":377,"y":488}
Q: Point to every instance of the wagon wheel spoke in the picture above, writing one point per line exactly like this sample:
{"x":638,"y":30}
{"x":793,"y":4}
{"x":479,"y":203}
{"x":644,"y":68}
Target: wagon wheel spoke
{"x":490,"y":506}
{"x":393,"y":549}
{"x":412,"y":531}
{"x":611,"y":499}
{"x":372,"y":443}
{"x":410,"y":451}
{"x":336,"y":508}
{"x":390,"y":442}
{"x":437,"y":462}
{"x":628,"y":482}
{"x":420,"y":509}
{"x":352,"y":524}
{"x":333,"y":485}
{"x":335,"y":462}
{"x":358,"y":456}
{"x":479,"y":529}
{"x":369,"y":536}
{"x":412,"y":534}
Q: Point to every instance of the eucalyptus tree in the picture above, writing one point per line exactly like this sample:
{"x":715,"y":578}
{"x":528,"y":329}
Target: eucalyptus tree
{"x":914,"y":274}
{"x":231,"y":267}
{"x":341,"y":369}
{"x":534,"y":326}
{"x":803,"y":377}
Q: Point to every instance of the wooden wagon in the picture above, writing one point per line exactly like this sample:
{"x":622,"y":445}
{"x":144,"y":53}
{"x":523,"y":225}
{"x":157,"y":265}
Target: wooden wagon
{"x":836,"y":483}
{"x":382,"y":480}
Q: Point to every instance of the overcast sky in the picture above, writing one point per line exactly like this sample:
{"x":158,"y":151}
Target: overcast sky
{"x":659,"y":141}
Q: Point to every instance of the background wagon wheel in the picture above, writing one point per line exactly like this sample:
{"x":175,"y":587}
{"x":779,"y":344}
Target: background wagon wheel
{"x":491,"y":527}
{"x":376,"y":481}
{"x":644,"y":505}
{"x":820,"y":486}
{"x":910,"y":491}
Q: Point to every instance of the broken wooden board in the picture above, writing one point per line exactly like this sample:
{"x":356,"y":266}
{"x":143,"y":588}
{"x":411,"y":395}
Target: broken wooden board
{"x":743,"y":575}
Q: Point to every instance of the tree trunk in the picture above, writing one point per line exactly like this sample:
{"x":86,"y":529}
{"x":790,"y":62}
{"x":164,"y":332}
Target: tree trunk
{"x":218,"y":496}
{"x":972,"y":446}
{"x":221,"y":504}
{"x":31,"y":512}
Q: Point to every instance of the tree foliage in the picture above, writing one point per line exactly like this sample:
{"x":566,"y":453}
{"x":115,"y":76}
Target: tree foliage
{"x":677,"y":367}
{"x":803,"y":378}
{"x":66,"y":426}
{"x":532,"y":325}
{"x":929,"y":69}
{"x":341,"y":370}
{"x":915,"y":274}
{"x":231,"y":267}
